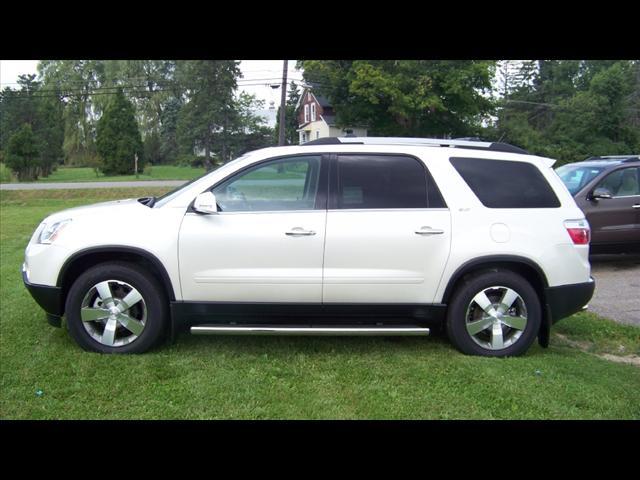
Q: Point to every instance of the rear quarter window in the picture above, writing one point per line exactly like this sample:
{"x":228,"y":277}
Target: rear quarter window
{"x":506,"y":184}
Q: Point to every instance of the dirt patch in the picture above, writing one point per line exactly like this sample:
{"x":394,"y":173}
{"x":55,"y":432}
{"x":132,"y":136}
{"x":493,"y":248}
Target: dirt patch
{"x":630,"y":359}
{"x":586,"y":348}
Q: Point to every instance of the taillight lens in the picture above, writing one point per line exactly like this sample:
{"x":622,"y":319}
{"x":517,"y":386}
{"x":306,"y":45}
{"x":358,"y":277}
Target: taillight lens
{"x":579,"y":231}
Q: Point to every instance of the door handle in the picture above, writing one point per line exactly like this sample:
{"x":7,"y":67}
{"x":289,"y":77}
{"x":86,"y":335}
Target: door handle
{"x":429,"y":231}
{"x":299,"y":232}
{"x":636,"y":206}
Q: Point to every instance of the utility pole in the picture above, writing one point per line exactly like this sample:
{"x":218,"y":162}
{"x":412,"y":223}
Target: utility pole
{"x":282,"y":103}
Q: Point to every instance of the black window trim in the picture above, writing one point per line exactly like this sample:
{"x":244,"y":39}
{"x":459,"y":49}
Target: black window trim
{"x":333,"y":180}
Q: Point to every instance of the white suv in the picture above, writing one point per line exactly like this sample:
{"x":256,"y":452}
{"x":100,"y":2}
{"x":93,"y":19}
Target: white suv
{"x":339,"y":236}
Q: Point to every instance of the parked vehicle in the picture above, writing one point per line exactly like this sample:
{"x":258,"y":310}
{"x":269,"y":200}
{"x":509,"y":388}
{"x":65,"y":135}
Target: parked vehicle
{"x":340,"y":236}
{"x":607,"y":189}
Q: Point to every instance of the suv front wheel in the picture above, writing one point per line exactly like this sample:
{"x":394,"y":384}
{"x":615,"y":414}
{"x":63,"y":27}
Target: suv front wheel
{"x":116,"y":308}
{"x":494,"y":314}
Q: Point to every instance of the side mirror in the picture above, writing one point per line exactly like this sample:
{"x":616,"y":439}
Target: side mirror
{"x":205,"y":203}
{"x":601,"y":193}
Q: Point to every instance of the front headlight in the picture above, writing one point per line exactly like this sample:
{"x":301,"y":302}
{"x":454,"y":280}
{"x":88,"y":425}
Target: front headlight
{"x":50,"y":232}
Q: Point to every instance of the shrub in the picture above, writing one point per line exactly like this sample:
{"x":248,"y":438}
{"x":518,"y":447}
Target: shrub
{"x":5,"y":174}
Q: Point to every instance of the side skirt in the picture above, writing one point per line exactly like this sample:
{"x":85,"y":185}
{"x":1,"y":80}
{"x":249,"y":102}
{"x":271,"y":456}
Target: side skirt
{"x":185,"y":315}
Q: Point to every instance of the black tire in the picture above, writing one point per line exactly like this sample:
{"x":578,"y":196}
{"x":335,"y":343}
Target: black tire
{"x":462,"y":299}
{"x":152,"y":294}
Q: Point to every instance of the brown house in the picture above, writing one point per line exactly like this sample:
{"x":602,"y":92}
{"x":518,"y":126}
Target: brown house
{"x":316,"y":119}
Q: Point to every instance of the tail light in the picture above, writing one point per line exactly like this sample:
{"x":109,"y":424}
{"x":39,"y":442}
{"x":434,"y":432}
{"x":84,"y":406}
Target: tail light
{"x":579,"y":231}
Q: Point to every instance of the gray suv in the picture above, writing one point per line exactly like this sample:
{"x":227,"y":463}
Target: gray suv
{"x":607,"y":189}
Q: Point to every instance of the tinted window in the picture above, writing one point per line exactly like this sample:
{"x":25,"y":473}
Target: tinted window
{"x":372,"y":181}
{"x":622,"y":183}
{"x":506,"y":184}
{"x":284,"y":184}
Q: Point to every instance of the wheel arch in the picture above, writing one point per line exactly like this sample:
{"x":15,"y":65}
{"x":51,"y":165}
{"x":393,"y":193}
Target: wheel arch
{"x":89,"y":257}
{"x":523,"y":266}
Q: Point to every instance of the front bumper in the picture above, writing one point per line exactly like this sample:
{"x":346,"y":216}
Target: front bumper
{"x":565,"y":300}
{"x":49,"y":298}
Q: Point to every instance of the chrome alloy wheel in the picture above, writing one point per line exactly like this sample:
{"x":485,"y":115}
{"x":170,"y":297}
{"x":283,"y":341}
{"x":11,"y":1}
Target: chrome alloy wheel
{"x":496,"y":317}
{"x":113,"y":313}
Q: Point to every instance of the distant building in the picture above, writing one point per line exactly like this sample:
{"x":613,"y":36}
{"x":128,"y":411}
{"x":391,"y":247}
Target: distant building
{"x":316,"y":119}
{"x":268,"y":115}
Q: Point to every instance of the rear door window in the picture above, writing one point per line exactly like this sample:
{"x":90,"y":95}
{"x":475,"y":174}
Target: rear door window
{"x":383,"y":181}
{"x":506,"y":184}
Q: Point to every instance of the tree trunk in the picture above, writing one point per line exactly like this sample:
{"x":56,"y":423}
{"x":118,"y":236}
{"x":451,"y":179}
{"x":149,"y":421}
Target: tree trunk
{"x":207,"y":160}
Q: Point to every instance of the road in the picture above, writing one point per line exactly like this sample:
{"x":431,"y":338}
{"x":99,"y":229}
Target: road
{"x":80,"y":185}
{"x":617,"y":294}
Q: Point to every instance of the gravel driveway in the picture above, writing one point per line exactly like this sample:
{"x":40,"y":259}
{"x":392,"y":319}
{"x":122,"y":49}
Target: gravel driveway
{"x":617,"y":294}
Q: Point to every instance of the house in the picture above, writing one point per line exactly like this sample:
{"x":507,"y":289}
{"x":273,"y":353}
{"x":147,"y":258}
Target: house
{"x":316,"y":119}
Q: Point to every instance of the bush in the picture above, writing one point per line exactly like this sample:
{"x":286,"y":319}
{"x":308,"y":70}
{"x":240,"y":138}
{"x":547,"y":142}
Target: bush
{"x":148,"y":169}
{"x":5,"y":174}
{"x":189,"y":160}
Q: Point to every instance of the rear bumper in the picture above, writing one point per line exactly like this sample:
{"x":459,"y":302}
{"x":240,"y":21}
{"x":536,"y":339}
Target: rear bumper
{"x":565,"y":300}
{"x":49,"y":298}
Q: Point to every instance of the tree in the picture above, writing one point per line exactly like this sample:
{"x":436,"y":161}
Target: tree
{"x":76,"y":80}
{"x":118,"y":138}
{"x":209,"y":106}
{"x":51,"y":134}
{"x":169,"y":148}
{"x":244,"y":130}
{"x":22,"y":154}
{"x":570,"y":109}
{"x":42,"y":111}
{"x":291,"y":119}
{"x":406,"y":97}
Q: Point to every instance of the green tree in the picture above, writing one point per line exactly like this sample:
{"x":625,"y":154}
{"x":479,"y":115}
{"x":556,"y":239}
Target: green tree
{"x":569,"y":110}
{"x":291,"y":119}
{"x":42,"y":110}
{"x":51,"y":134}
{"x":209,"y":107}
{"x":406,"y":97}
{"x":118,"y":138}
{"x":77,"y":80}
{"x":169,"y":148}
{"x":152,"y":149}
{"x":23,"y":153}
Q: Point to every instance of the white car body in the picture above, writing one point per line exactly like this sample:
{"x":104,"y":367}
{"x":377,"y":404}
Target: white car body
{"x":368,"y":256}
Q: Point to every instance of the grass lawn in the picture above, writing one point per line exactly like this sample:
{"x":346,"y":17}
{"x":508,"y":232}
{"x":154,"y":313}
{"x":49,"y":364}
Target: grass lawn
{"x":157,"y":172}
{"x":292,"y":377}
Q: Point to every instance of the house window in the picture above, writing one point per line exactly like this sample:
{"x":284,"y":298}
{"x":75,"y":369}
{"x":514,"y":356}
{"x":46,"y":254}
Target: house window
{"x":306,"y":113}
{"x":313,"y":112}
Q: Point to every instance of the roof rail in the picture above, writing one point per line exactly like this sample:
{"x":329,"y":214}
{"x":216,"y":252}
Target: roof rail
{"x":615,"y":158}
{"x":492,"y":146}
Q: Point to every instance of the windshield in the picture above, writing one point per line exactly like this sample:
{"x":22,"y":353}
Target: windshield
{"x":575,"y":177}
{"x":167,"y":197}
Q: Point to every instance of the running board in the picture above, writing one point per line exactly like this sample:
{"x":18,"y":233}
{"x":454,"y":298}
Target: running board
{"x":347,"y":331}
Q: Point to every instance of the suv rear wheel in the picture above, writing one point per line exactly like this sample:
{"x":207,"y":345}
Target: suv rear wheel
{"x":116,"y":308}
{"x":494,"y":314}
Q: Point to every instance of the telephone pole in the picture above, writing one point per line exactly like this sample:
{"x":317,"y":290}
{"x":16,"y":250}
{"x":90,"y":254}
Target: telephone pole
{"x":283,"y":103}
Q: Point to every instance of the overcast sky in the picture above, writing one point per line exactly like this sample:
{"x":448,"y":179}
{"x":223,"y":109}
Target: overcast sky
{"x":260,"y":72}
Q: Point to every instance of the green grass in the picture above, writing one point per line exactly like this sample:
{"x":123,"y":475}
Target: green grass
{"x":289,"y":377}
{"x":86,"y":174}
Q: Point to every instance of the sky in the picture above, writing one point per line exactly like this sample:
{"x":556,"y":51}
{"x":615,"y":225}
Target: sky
{"x":257,"y":76}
